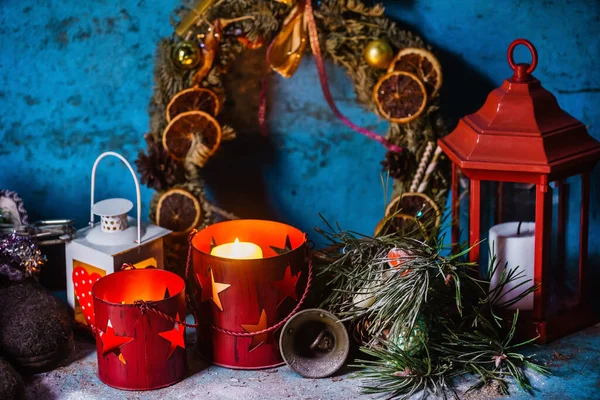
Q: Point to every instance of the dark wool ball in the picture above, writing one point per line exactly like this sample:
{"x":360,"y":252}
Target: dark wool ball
{"x":11,"y":384}
{"x":35,"y":328}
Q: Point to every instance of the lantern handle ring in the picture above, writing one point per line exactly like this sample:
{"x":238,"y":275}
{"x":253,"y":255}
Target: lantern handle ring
{"x":137,"y":191}
{"x":522,"y":71}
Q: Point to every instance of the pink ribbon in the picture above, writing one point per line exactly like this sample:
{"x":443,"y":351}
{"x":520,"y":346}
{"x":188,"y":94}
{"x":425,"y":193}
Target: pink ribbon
{"x":316,"y":50}
{"x":262,"y":108}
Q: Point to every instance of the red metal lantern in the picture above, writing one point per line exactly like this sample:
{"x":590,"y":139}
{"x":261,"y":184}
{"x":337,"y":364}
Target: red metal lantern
{"x":521,"y":145}
{"x":140,"y":328}
{"x":245,"y":301}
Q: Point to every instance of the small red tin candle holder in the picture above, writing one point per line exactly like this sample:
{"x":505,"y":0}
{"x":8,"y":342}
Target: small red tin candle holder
{"x":140,"y":336}
{"x":251,"y":277}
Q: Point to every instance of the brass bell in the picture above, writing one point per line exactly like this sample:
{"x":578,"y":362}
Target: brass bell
{"x":314,"y":343}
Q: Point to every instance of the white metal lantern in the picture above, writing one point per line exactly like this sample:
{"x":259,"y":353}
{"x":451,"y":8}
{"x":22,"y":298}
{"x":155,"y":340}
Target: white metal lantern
{"x":102,"y":247}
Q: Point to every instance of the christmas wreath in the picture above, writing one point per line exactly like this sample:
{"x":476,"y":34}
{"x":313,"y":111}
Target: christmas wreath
{"x":394,"y":74}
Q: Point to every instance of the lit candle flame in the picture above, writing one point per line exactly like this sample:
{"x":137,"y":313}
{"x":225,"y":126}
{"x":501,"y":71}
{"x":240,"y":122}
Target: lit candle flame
{"x":235,"y":249}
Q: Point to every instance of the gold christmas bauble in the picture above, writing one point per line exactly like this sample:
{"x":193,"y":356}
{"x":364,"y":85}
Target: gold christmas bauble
{"x":187,"y":54}
{"x":379,"y":54}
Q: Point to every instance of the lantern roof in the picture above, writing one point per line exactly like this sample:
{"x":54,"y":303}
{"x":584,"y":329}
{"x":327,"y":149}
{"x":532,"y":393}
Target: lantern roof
{"x":150,"y":233}
{"x":521,"y":129}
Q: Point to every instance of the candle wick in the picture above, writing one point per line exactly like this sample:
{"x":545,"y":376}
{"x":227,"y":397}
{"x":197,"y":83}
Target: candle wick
{"x":519,"y":229}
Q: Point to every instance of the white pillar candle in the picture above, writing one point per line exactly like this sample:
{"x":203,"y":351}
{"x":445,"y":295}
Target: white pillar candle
{"x":514,"y":248}
{"x":238,"y":250}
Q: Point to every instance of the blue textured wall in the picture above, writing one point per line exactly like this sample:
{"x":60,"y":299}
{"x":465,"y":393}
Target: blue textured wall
{"x":76,"y":78}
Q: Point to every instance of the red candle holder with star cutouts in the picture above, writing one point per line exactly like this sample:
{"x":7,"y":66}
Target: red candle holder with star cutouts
{"x":140,"y":336}
{"x":244,"y":302}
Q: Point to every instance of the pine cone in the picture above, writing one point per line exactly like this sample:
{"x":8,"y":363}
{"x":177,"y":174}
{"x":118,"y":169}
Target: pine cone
{"x":396,"y":163}
{"x":360,"y":331}
{"x":158,"y":170}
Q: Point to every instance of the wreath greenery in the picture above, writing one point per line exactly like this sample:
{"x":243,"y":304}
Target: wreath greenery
{"x":210,"y":35}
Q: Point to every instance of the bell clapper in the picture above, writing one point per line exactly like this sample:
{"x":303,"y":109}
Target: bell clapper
{"x":324,"y":342}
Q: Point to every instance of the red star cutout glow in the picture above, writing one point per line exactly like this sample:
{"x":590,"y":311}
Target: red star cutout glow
{"x":212,"y":294}
{"x":175,"y":336}
{"x":257,"y":340}
{"x":112,"y":343}
{"x":285,"y":249}
{"x":287,"y":286}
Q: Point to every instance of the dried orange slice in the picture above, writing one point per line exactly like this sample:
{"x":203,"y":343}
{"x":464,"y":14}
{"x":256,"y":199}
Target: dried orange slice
{"x":193,"y":99}
{"x":403,"y":224}
{"x":193,"y":132}
{"x":178,"y":210}
{"x":400,"y":96}
{"x":421,"y":63}
{"x":419,"y":206}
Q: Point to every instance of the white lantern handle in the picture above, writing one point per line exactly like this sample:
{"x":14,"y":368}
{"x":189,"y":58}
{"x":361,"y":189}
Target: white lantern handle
{"x":137,"y":191}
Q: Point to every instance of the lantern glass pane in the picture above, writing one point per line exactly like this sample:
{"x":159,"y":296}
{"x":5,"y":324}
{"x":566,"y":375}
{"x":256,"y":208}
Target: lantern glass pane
{"x":463,"y":202}
{"x":84,"y":277}
{"x":508,"y":227}
{"x":147,"y":263}
{"x":563,"y":271}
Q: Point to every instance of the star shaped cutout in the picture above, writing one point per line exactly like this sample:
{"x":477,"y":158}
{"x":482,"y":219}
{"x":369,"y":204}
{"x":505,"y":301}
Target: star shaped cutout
{"x":213,"y":243}
{"x":112,"y":343}
{"x":287,"y":286}
{"x":213,"y":293}
{"x":285,"y":249}
{"x":175,"y":336}
{"x":257,"y":340}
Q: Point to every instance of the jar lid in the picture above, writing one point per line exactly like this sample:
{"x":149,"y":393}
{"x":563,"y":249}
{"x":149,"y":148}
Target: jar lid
{"x":112,"y":207}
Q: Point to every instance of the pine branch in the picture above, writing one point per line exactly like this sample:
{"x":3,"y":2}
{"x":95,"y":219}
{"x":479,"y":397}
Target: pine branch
{"x":465,"y":334}
{"x":488,"y":356}
{"x":398,"y":374}
{"x":360,"y":266}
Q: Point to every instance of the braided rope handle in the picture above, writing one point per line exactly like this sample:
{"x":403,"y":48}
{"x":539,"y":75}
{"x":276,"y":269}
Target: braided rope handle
{"x":189,"y":255}
{"x":269,"y":329}
{"x":145,"y":306}
{"x":280,"y":323}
